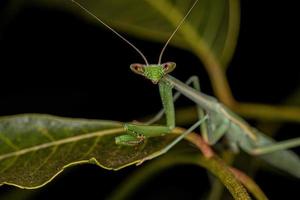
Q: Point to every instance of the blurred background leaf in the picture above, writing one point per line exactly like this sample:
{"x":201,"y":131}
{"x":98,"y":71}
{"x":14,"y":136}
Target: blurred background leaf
{"x":215,"y":23}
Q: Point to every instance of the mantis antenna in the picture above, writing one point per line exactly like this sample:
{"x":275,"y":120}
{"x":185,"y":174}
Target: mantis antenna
{"x":124,"y":39}
{"x":179,"y":25}
{"x":110,"y":28}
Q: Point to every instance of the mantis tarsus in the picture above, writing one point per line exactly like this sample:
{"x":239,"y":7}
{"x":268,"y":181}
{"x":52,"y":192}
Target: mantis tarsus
{"x":215,"y":119}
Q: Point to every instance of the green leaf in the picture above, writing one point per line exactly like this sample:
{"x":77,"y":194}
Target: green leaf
{"x":211,"y":30}
{"x":35,"y":148}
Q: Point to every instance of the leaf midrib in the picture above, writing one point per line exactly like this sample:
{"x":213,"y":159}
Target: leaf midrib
{"x":62,"y":141}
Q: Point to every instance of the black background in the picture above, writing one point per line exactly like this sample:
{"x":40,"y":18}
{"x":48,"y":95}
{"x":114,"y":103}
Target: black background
{"x":53,"y":62}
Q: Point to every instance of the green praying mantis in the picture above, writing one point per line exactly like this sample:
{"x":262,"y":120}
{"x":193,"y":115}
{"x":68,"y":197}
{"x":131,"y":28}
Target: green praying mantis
{"x":215,"y":119}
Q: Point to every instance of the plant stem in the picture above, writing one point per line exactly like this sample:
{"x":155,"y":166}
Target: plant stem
{"x":249,"y":184}
{"x":214,"y":165}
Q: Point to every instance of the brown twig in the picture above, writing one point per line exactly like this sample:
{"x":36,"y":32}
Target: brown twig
{"x":198,"y":141}
{"x":208,"y":153}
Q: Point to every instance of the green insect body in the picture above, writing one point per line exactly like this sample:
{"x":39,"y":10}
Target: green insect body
{"x":215,"y":119}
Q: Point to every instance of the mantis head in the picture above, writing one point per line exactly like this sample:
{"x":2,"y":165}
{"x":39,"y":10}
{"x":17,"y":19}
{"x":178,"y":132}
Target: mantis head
{"x":153,"y":72}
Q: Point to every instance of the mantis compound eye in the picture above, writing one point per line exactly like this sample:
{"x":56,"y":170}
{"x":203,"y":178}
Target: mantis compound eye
{"x":137,"y":68}
{"x":168,"y":67}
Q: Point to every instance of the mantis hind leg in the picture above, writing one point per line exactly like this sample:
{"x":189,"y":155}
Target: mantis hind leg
{"x":276,"y":146}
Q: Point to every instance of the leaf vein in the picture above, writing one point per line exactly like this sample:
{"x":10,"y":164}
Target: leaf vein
{"x":9,"y":164}
{"x":45,"y":160}
{"x":8,"y":142}
{"x":62,"y":141}
{"x":91,"y":148}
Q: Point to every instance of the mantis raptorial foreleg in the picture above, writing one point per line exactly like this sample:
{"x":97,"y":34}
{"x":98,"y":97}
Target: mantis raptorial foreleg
{"x":210,"y":136}
{"x":194,"y":81}
{"x":145,"y":131}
